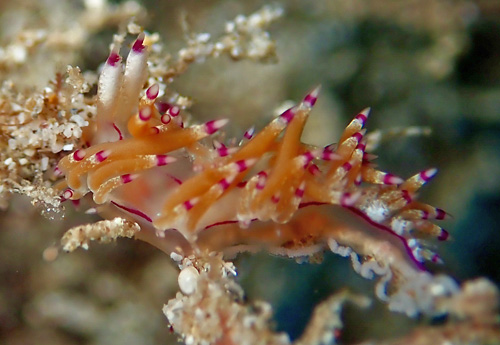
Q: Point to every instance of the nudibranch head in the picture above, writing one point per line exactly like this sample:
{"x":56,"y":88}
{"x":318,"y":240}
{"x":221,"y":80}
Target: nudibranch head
{"x":146,"y":163}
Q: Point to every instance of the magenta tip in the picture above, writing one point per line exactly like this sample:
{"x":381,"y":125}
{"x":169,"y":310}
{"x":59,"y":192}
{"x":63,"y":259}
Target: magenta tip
{"x":113,"y":59}
{"x":312,"y":97}
{"x":145,"y":114}
{"x":428,"y":174}
{"x":152,"y":91}
{"x":214,"y":125}
{"x":444,"y":235}
{"x":288,"y":114}
{"x":127,"y":178}
{"x":139,"y":46}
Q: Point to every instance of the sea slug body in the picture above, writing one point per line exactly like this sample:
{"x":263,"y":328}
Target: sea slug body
{"x":271,"y":191}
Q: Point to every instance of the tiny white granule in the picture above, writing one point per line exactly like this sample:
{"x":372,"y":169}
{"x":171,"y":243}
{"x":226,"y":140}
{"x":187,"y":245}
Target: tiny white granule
{"x":255,"y":21}
{"x":44,"y":163}
{"x":230,"y":26}
{"x":176,"y":257}
{"x":377,"y":211}
{"x":18,"y":53}
{"x":23,"y":161}
{"x":55,"y":147}
{"x":188,"y":279}
{"x":189,"y":340}
{"x":236,"y":51}
{"x":16,"y":107}
{"x":68,"y":147}
{"x":29,"y":152}
{"x":240,"y":19}
{"x":68,"y":130}
{"x":21,"y":117}
{"x":204,"y":37}
{"x":219,"y":46}
{"x":79,"y":120}
{"x":400,"y":226}
{"x":95,"y":4}
{"x":12,"y":144}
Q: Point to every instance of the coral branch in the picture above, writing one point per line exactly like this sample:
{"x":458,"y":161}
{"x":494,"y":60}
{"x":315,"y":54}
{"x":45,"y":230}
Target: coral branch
{"x":104,"y":231}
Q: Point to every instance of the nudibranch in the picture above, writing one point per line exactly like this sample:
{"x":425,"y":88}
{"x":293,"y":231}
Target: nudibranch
{"x":270,"y":191}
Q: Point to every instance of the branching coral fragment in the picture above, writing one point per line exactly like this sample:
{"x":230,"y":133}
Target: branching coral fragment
{"x":104,"y":231}
{"x":326,"y":322}
{"x":244,"y":38}
{"x":214,"y":311}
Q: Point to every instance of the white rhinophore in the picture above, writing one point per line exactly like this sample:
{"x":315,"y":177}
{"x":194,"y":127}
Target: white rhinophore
{"x":133,"y":81}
